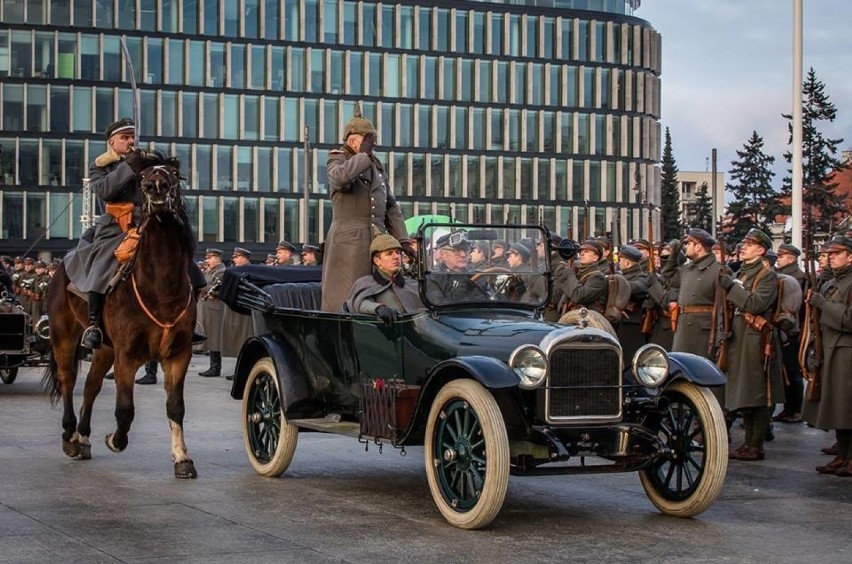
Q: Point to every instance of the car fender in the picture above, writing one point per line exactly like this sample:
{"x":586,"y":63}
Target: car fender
{"x":694,"y":368}
{"x":488,"y":371}
{"x":291,"y":379}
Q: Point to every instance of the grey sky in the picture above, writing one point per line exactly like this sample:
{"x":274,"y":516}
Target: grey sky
{"x":727,"y":67}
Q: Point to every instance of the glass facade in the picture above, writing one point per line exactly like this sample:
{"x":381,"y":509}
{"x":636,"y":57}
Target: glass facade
{"x":492,"y":111}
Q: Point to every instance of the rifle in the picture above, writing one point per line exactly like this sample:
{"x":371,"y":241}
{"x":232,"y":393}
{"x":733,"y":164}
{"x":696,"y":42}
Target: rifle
{"x":721,"y":305}
{"x":811,"y":337}
{"x":650,"y":316}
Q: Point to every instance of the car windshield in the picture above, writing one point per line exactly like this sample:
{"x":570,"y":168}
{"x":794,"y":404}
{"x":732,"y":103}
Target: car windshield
{"x":479,"y":264}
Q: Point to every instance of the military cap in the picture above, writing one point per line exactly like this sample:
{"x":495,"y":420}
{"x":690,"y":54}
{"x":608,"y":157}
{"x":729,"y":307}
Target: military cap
{"x":52,"y":266}
{"x":701,"y":237}
{"x":28,"y":260}
{"x":630,"y":252}
{"x":498,"y":243}
{"x":384,"y":242}
{"x":604,"y":243}
{"x":120,"y":126}
{"x":641,"y":244}
{"x":786,"y":248}
{"x":40,"y":264}
{"x":521,"y":249}
{"x":286,"y":245}
{"x":454,"y":240}
{"x":839,"y":243}
{"x":592,"y":245}
{"x":358,"y":125}
{"x":758,"y":237}
{"x":6,"y":258}
{"x":217,"y":252}
{"x":271,"y":256}
{"x":19,"y":259}
{"x":308,"y":248}
{"x":242,"y":252}
{"x":771,"y":256}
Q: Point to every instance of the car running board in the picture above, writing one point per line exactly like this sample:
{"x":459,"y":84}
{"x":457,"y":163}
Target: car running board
{"x":329,"y":425}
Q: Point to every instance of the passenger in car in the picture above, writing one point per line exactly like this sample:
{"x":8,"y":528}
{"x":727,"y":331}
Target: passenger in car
{"x":385,"y":293}
{"x":451,"y":281}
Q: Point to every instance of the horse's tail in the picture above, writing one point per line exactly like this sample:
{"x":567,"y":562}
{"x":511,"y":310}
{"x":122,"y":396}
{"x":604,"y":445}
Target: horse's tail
{"x":50,"y":382}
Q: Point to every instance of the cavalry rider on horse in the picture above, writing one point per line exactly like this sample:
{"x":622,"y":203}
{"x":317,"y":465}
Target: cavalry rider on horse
{"x":115,"y":178}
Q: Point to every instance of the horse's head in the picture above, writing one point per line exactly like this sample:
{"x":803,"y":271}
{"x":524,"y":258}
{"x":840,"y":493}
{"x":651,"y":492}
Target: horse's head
{"x":161,"y":187}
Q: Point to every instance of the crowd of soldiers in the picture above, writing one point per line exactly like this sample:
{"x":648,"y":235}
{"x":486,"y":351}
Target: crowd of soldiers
{"x":743,"y":308}
{"x":226,"y":330}
{"x":25,"y":281}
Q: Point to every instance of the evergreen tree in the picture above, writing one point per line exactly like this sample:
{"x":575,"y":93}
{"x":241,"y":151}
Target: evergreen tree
{"x":703,"y":210}
{"x":755,"y":202}
{"x":669,"y":193}
{"x":820,"y":199}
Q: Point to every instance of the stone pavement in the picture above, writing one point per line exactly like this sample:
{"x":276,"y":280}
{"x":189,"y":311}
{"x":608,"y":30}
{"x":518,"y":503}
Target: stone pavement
{"x":338,"y":503}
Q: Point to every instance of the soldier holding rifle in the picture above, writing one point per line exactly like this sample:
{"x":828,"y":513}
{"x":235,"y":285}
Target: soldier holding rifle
{"x":831,"y":409}
{"x":755,"y":381}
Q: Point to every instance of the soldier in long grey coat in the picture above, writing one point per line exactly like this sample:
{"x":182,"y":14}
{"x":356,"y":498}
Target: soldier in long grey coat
{"x":237,"y":328}
{"x":363,"y":206}
{"x":211,"y":311}
{"x":834,"y":408}
{"x":696,"y":297}
{"x":755,"y":381}
{"x":629,"y":329}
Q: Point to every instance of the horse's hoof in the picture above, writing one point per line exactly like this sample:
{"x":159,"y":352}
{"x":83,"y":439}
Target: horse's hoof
{"x":185,"y":469}
{"x":111,"y":445}
{"x":72,"y":449}
{"x":85,"y":452}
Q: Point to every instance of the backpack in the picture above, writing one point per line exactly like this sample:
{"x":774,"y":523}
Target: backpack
{"x":618,"y":296}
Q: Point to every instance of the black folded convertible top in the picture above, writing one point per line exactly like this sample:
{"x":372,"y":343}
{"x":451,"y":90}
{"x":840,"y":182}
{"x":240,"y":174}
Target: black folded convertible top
{"x":262,"y":275}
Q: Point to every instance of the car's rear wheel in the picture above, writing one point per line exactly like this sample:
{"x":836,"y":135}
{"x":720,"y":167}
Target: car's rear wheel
{"x":8,"y":375}
{"x":268,"y":439}
{"x":689,"y":480}
{"x":467,"y":454}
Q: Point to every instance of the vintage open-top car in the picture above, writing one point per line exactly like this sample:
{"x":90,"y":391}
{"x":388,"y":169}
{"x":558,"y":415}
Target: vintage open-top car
{"x":479,"y":378}
{"x":22,"y":343}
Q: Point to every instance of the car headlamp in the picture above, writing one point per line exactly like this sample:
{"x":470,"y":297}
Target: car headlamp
{"x":530,"y":364}
{"x":650,"y":365}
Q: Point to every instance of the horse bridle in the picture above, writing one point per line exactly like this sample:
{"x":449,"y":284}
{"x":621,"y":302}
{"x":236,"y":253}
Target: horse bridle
{"x":171,"y":200}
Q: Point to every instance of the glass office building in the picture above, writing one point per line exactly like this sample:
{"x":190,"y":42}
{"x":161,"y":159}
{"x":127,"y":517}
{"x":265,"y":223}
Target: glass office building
{"x":513,"y":111}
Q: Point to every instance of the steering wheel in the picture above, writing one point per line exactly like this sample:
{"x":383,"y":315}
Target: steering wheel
{"x":500,"y":282}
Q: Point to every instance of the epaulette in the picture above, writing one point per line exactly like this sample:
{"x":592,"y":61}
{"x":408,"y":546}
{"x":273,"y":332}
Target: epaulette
{"x":107,"y":159}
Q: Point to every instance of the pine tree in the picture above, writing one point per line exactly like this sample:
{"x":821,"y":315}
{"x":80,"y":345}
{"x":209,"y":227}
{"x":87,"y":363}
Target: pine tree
{"x":820,"y":199}
{"x":755,"y":202}
{"x":669,"y":193}
{"x":703,"y":210}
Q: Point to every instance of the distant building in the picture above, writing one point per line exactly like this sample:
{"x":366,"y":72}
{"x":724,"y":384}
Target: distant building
{"x":506,"y":111}
{"x":689,"y":183}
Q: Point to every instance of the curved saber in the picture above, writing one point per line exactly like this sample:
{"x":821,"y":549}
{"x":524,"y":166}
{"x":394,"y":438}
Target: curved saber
{"x":129,"y":62}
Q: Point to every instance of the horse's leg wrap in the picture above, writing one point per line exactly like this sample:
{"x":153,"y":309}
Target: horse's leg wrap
{"x":184,"y":467}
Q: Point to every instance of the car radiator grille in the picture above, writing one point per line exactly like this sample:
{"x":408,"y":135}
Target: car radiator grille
{"x":584,"y":383}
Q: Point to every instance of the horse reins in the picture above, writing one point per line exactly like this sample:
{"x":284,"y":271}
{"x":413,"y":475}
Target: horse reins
{"x":166,"y":327}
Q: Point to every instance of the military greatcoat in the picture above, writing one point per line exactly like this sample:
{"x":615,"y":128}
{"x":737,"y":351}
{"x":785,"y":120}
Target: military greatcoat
{"x":751,"y":382}
{"x":834,"y":409}
{"x":629,"y":329}
{"x":211,"y":309}
{"x":586,"y":287}
{"x":363,"y":204}
{"x":697,"y":291}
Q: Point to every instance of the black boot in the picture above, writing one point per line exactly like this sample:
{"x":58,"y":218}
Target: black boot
{"x":93,"y":336}
{"x":215,"y":369}
{"x":150,"y":376}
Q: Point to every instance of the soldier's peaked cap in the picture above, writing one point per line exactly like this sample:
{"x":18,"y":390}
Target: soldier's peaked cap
{"x":242,"y":252}
{"x":592,"y":245}
{"x":123,"y":125}
{"x":758,"y":237}
{"x":286,"y":245}
{"x":839,"y":243}
{"x":217,"y":252}
{"x":630,"y":252}
{"x":702,"y":237}
{"x":789,"y":249}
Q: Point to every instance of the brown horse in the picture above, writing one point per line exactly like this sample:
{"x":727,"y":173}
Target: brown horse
{"x":149,"y":315}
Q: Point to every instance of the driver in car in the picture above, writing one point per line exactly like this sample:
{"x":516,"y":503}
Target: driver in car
{"x":385,"y":293}
{"x":451,"y":280}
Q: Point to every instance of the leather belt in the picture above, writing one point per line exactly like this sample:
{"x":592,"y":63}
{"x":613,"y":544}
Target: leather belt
{"x":696,"y":309}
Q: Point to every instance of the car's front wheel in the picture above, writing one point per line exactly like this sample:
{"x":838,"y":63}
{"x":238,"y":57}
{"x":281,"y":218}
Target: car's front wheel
{"x":467,"y":454}
{"x":268,"y":439}
{"x":690,"y":478}
{"x":8,"y":375}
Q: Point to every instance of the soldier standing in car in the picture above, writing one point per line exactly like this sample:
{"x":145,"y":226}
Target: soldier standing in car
{"x":363,"y":207}
{"x":755,"y":382}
